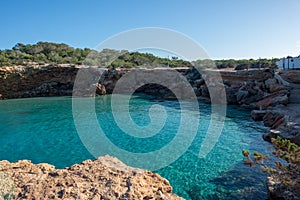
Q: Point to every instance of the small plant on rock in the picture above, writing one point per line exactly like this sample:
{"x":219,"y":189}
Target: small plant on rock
{"x":288,"y":174}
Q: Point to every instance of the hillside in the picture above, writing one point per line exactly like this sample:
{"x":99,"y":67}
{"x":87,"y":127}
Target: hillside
{"x":53,"y":53}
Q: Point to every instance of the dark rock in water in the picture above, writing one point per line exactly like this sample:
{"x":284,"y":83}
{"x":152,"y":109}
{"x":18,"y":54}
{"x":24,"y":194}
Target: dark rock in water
{"x":287,"y":131}
{"x":197,"y":91}
{"x":204,"y":90}
{"x":231,"y":95}
{"x":230,"y":116}
{"x":194,"y":193}
{"x":234,"y":185}
{"x":199,"y":82}
{"x":242,"y":94}
{"x":273,"y":119}
{"x":257,"y":115}
{"x":277,"y":190}
{"x":270,"y":134}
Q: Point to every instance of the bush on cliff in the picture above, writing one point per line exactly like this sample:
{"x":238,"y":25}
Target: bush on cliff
{"x":237,"y":64}
{"x":287,"y":175}
{"x":53,"y":53}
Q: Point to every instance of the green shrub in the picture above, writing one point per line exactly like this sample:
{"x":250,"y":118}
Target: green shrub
{"x":289,"y":172}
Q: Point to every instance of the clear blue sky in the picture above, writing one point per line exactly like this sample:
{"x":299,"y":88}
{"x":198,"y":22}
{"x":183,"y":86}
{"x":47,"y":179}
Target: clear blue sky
{"x":226,"y":29}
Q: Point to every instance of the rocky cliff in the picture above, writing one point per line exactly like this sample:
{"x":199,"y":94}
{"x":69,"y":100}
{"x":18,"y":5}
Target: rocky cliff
{"x":103,"y":178}
{"x":21,"y":82}
{"x":249,"y":88}
{"x":254,"y":88}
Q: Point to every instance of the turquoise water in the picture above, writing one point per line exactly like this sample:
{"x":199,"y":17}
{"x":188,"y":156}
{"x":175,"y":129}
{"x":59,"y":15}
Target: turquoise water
{"x":43,"y":130}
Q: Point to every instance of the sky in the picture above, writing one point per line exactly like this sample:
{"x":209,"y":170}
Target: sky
{"x":225,"y":29}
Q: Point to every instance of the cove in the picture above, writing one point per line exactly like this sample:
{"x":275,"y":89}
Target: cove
{"x":42,"y":130}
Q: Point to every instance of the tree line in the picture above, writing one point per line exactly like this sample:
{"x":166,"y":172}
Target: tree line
{"x":53,"y":53}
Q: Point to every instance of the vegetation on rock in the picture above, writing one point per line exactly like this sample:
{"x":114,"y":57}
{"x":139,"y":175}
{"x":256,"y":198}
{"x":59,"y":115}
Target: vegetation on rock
{"x":286,"y":175}
{"x":237,"y":64}
{"x":53,"y":53}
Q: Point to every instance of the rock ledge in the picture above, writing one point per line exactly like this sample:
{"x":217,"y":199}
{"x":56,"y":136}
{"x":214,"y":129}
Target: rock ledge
{"x":103,"y":178}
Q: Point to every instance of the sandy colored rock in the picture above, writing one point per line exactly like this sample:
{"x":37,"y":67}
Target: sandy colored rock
{"x":103,"y":178}
{"x":292,"y":76}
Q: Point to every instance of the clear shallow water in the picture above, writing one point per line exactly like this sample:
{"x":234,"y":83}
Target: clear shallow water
{"x":43,"y":130}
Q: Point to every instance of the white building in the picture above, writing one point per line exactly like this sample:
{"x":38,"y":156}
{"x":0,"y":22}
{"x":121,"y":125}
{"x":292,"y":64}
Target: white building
{"x":289,"y":63}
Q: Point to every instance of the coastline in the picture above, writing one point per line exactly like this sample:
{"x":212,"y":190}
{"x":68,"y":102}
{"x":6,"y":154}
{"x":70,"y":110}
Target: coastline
{"x":284,"y":122}
{"x":244,"y":88}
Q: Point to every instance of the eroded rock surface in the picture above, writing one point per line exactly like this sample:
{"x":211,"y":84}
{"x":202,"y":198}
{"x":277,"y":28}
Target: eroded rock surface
{"x":284,"y":121}
{"x":104,"y":178}
{"x":38,"y":81}
{"x":253,"y":88}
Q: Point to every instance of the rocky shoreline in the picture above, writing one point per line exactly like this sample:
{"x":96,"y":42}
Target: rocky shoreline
{"x":103,"y":178}
{"x":284,"y":122}
{"x":264,"y":91}
{"x":254,"y":88}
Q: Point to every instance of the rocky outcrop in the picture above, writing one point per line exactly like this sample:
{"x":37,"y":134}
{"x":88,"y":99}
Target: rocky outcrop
{"x":256,"y":89}
{"x":281,"y":122}
{"x":271,"y":118}
{"x":258,"y":115}
{"x":274,"y":119}
{"x":103,"y":178}
{"x":278,"y":111}
{"x":277,"y":190}
{"x":291,"y":76}
{"x":20,"y":81}
{"x":273,"y":99}
{"x":284,"y":122}
{"x":250,"y":88}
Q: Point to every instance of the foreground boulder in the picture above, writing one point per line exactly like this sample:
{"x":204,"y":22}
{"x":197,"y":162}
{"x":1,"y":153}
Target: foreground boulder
{"x":103,"y":178}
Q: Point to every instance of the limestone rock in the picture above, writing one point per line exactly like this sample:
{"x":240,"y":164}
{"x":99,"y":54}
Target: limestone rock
{"x":103,"y":178}
{"x":273,"y":99}
{"x":273,"y":85}
{"x":292,"y":76}
{"x":21,"y":81}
